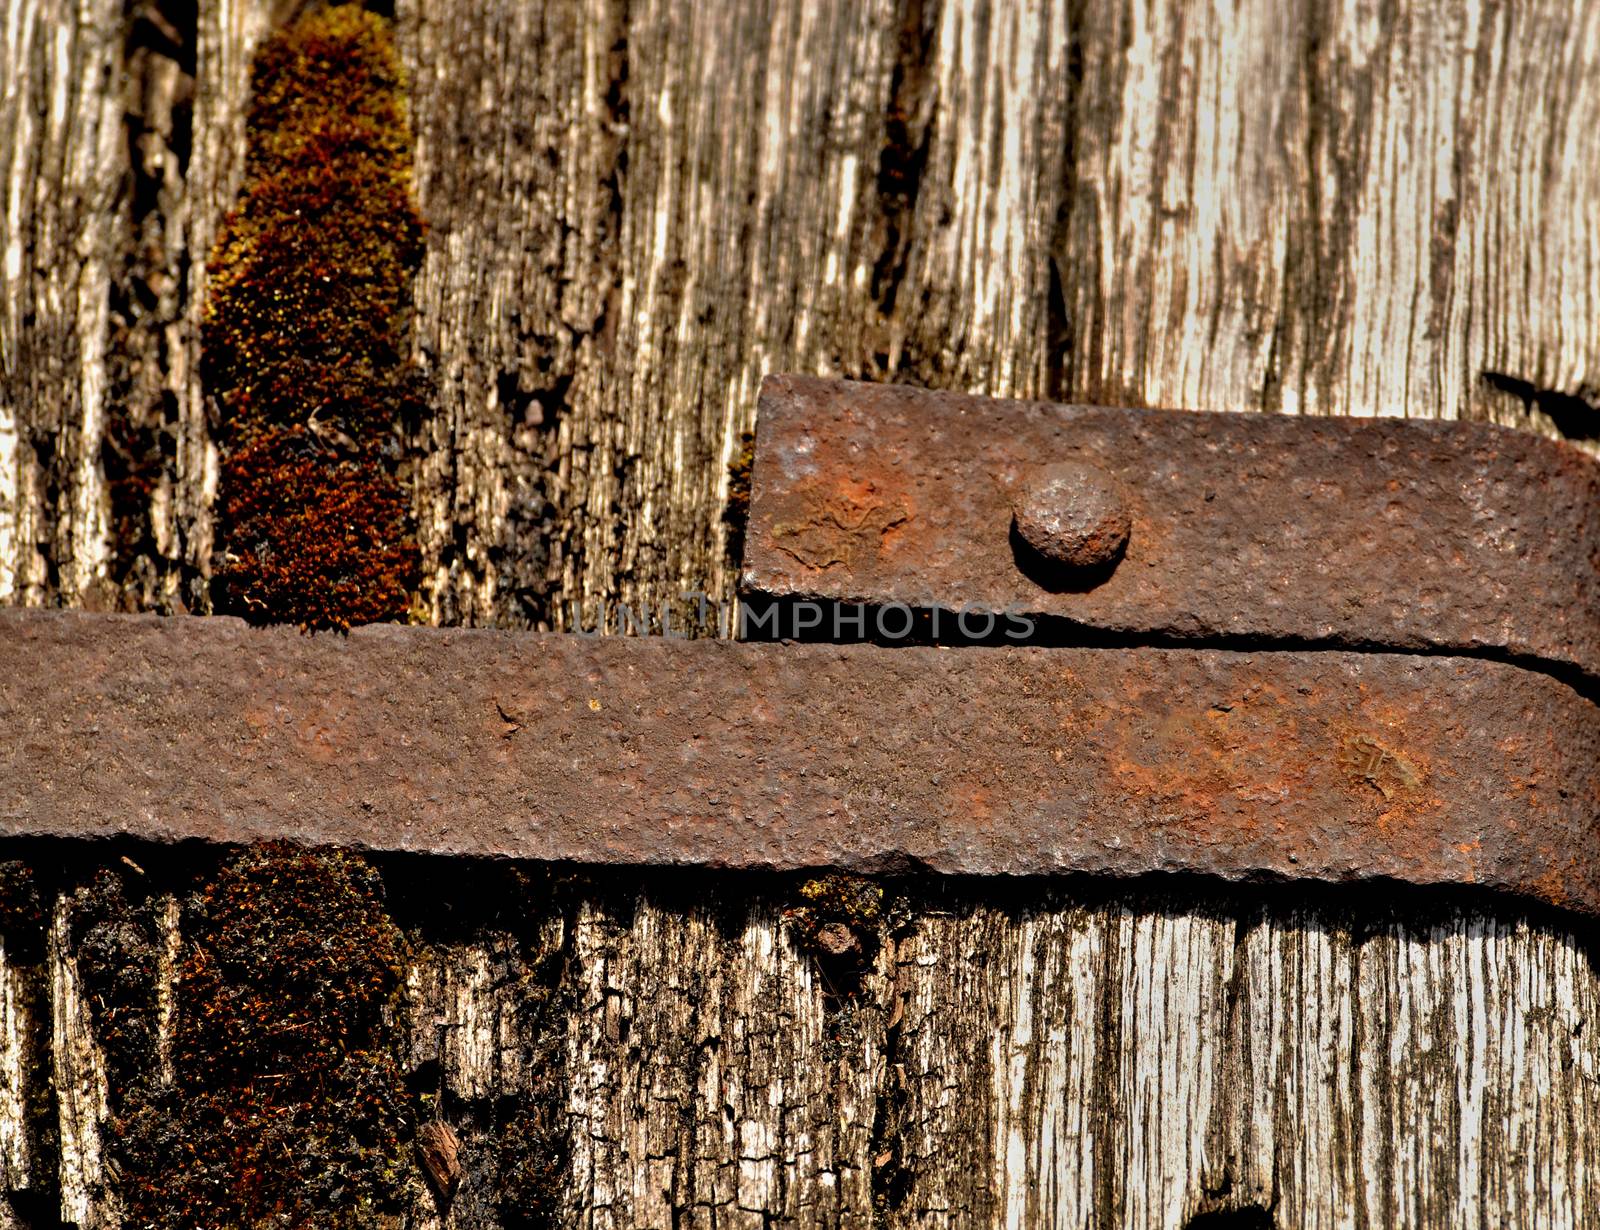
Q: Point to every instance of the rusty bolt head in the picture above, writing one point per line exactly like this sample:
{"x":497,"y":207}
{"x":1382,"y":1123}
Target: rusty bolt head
{"x":837,"y":940}
{"x":1073,"y":513}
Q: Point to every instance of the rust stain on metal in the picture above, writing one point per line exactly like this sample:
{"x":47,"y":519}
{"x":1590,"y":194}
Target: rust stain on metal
{"x":1268,"y":765}
{"x":1385,"y":771}
{"x":835,"y":527}
{"x":1393,"y":533}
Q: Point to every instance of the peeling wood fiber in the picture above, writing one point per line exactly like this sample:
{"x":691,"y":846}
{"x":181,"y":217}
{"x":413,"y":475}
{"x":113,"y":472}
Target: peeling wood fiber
{"x":639,"y":207}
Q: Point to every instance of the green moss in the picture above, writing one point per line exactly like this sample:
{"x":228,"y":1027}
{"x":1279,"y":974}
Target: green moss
{"x":287,"y":1107}
{"x":306,"y":333}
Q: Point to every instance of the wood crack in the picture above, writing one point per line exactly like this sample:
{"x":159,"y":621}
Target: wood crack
{"x":1575,"y":414}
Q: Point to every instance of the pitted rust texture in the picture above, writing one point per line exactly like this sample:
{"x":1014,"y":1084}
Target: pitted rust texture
{"x":1072,"y":514}
{"x":1457,"y":537}
{"x":1340,"y":766}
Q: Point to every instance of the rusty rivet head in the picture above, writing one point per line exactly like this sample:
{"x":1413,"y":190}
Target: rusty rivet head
{"x":837,"y":940}
{"x":1073,"y":513}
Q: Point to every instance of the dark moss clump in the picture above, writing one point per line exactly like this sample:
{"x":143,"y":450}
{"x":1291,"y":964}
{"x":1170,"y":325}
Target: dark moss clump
{"x":532,"y":1159}
{"x":306,"y":334}
{"x":530,"y":1128}
{"x":287,"y":1107}
{"x":114,"y":936}
{"x":21,"y":912}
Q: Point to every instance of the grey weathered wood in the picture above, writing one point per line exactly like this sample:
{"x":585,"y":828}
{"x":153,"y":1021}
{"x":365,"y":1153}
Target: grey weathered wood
{"x":703,"y":1089}
{"x":637,"y":209}
{"x":78,"y":1077}
{"x":1141,"y":1062}
{"x":102,"y":284}
{"x":18,"y":1069}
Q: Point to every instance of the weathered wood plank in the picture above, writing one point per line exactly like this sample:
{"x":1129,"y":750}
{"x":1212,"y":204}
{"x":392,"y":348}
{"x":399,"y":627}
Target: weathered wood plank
{"x":711,"y":1082}
{"x":517,"y":131}
{"x":1145,"y":1062}
{"x":680,"y":204}
{"x":473,"y":1023}
{"x":62,"y":165}
{"x":16,"y":1078}
{"x":990,"y":153}
{"x":1335,"y":208}
{"x":124,"y":147}
{"x":78,"y":1078}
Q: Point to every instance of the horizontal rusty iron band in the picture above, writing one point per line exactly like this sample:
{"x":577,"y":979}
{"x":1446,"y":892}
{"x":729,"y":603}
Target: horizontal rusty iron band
{"x":1233,"y":528}
{"x":1330,"y":765}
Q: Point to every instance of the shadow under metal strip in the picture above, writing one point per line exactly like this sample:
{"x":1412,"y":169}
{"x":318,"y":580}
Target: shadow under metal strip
{"x":1389,"y":533}
{"x":1333,"y":765}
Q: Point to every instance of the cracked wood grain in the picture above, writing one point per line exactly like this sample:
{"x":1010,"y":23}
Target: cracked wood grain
{"x":1144,"y":1062}
{"x":679,"y":201}
{"x":78,"y":1078}
{"x":1334,"y":208}
{"x":17,"y":1060}
{"x":710,"y":1084}
{"x":468,"y":1003}
{"x":125,"y":132}
{"x":62,"y":166}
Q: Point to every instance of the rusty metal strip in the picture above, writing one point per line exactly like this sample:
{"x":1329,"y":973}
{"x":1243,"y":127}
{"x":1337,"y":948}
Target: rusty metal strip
{"x":1342,"y":766}
{"x":1456,"y":537}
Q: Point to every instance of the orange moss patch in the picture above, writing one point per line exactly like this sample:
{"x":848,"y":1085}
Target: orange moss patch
{"x":306,"y":334}
{"x":287,"y":1105}
{"x":283,"y":489}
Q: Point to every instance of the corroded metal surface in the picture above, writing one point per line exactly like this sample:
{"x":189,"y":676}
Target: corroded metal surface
{"x":986,"y":761}
{"x":1347,"y":532}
